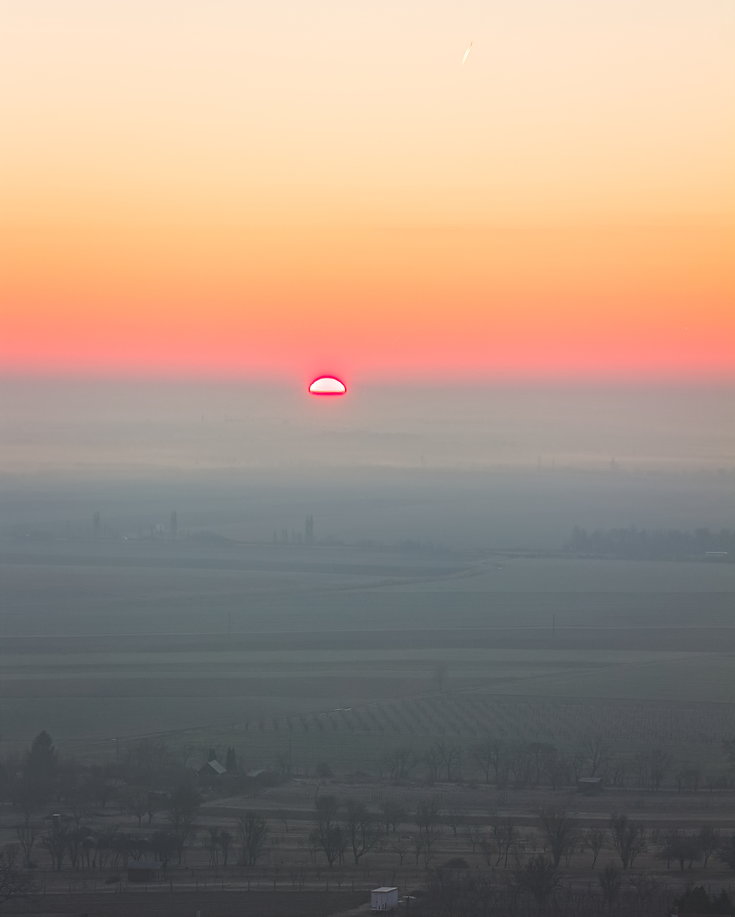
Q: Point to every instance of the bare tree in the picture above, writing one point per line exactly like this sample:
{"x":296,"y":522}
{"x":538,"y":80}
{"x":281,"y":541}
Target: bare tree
{"x":501,"y":765}
{"x":709,"y":842}
{"x":400,"y":763}
{"x":484,"y":754}
{"x":618,"y":771}
{"x":556,"y":767}
{"x":253,"y":833}
{"x":521,"y":766}
{"x":211,"y":844}
{"x":134,"y":800}
{"x":163,"y":846}
{"x":679,"y":846}
{"x":361,"y":827}
{"x":151,"y":764}
{"x":540,"y":878}
{"x":610,"y":881}
{"x":400,"y":846}
{"x":27,"y":835}
{"x":89,"y":850}
{"x":628,"y":838}
{"x":183,"y":806}
{"x":55,"y":841}
{"x":394,"y":812}
{"x":154,"y":803}
{"x":449,"y":756}
{"x":433,"y":761}
{"x":688,"y":779}
{"x":453,"y":818}
{"x":25,"y":798}
{"x":76,"y":843}
{"x":225,"y":843}
{"x":726,"y":853}
{"x":646,"y":889}
{"x":474,"y":835}
{"x":417,"y":841}
{"x":559,"y":831}
{"x":728,"y":747}
{"x":427,"y":821}
{"x":652,"y":767}
{"x":595,"y":839}
{"x":598,"y":753}
{"x":14,"y":882}
{"x":504,"y":838}
{"x":328,"y":835}
{"x":465,"y":894}
{"x":659,"y":764}
{"x":540,"y":755}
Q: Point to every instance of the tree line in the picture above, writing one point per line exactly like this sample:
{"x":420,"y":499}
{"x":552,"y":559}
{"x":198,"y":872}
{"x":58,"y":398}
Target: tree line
{"x":643,"y":544}
{"x":526,"y":861}
{"x":524,"y":765}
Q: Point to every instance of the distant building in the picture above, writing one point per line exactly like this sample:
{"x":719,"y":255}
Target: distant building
{"x":206,"y":770}
{"x":258,"y":779}
{"x":384,"y":898}
{"x":589,"y":785}
{"x":143,"y":870}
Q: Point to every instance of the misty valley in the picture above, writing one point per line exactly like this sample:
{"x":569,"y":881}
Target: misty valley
{"x":256,"y":682}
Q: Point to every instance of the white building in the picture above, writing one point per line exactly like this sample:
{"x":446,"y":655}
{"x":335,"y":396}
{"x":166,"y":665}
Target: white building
{"x":384,"y":898}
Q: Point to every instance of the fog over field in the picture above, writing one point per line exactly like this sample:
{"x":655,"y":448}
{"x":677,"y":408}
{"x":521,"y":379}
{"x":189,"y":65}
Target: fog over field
{"x":474,"y":597}
{"x":367,"y":459}
{"x":468,"y":466}
{"x":155,"y":541}
{"x":105,"y":424}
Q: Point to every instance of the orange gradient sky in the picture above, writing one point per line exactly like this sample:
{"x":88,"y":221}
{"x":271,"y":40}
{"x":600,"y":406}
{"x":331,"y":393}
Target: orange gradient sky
{"x":290,"y":188}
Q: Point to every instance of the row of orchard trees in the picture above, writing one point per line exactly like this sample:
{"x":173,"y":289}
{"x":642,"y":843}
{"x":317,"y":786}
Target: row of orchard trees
{"x":82,"y":844}
{"x":149,"y":784}
{"x":349,"y":828}
{"x":531,"y":764}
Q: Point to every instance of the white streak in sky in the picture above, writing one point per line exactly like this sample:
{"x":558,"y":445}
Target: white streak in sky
{"x":466,"y":54}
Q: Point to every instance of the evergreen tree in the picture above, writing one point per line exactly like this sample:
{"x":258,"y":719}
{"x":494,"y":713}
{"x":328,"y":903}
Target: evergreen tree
{"x":41,"y":766}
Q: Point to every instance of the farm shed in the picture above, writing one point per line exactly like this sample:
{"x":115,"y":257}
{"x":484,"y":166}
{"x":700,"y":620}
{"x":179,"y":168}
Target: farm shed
{"x":143,"y":870}
{"x":384,"y":898}
{"x":205,"y":769}
{"x":589,"y":785}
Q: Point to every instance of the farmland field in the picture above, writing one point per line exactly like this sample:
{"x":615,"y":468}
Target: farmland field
{"x":258,"y":645}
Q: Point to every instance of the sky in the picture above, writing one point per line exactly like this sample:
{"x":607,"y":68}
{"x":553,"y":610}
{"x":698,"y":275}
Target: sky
{"x":276,"y":190}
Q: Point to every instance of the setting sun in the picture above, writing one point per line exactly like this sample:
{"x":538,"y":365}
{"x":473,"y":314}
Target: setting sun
{"x":327,"y":385}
